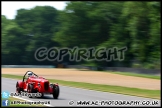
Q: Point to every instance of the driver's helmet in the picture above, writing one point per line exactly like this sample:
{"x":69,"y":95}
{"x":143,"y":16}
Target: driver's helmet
{"x":29,"y":74}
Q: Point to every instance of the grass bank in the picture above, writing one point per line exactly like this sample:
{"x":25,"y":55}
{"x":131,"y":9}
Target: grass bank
{"x":137,"y":75}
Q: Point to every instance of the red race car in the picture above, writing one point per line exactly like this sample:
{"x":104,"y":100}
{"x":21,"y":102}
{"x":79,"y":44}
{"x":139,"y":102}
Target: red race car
{"x":32,"y":84}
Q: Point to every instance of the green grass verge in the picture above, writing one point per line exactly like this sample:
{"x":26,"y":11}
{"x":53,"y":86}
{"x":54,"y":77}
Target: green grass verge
{"x":137,"y":75}
{"x":155,"y":94}
{"x":12,"y":99}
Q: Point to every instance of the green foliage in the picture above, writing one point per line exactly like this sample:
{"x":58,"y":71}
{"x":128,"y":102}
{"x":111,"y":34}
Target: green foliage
{"x":135,"y":65}
{"x":135,"y":25}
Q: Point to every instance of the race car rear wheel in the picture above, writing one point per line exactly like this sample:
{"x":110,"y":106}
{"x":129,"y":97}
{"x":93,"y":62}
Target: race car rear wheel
{"x":56,"y":91}
{"x":18,"y":90}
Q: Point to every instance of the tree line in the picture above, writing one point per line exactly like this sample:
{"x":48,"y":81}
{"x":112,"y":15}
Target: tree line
{"x":135,"y":25}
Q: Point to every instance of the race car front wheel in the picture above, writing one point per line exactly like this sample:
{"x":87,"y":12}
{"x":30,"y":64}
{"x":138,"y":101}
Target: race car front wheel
{"x":56,"y":91}
{"x":42,"y":95}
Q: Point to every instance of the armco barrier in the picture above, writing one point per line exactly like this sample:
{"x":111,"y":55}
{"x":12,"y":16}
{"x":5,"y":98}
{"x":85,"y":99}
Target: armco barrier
{"x":120,"y":69}
{"x":135,"y":70}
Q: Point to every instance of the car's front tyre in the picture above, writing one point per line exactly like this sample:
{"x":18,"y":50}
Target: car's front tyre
{"x":56,"y":91}
{"x":42,"y":95}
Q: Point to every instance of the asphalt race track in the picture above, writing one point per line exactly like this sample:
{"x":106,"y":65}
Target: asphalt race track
{"x":70,"y":95}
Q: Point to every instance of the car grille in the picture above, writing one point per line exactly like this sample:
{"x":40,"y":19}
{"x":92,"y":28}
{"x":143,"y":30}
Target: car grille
{"x":46,"y":85}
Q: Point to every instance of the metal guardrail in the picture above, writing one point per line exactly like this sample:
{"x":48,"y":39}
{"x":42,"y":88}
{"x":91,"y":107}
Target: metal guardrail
{"x":119,"y":69}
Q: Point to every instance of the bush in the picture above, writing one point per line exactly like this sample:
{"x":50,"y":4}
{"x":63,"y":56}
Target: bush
{"x":149,"y":66}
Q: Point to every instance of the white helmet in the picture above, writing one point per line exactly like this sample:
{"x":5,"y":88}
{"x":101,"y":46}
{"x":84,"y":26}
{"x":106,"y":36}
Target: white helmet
{"x":30,"y":74}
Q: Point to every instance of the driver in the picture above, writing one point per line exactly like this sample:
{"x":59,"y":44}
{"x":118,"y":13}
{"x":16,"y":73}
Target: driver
{"x":29,"y":74}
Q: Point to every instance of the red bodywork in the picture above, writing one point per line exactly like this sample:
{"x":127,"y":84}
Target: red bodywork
{"x":40,"y":84}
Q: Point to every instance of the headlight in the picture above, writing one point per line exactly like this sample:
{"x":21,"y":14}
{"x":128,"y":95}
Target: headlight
{"x":51,"y":84}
